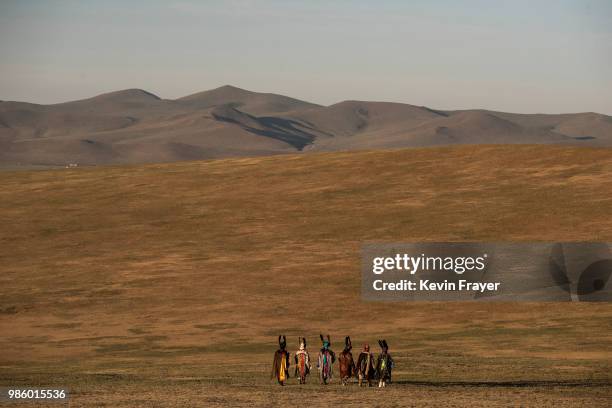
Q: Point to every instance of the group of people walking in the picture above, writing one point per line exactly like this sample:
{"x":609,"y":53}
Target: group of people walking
{"x":366,"y":369}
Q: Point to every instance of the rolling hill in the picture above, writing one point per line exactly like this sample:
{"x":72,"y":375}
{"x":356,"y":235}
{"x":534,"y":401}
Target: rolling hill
{"x":135,"y":126}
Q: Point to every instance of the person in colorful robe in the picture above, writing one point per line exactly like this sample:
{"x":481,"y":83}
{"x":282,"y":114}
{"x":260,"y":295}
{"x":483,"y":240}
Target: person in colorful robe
{"x":346,"y":364}
{"x":280,"y":367}
{"x":384,"y":365}
{"x":365,"y":366}
{"x":325,"y":361}
{"x":302,"y":361}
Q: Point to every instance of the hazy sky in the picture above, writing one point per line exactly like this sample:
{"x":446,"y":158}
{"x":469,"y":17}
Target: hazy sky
{"x":520,"y":56}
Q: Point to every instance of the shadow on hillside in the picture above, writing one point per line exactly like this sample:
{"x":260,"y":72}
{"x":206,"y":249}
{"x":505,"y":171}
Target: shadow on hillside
{"x":286,"y":130}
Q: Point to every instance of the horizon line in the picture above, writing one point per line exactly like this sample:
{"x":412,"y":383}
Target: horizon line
{"x":299,"y":99}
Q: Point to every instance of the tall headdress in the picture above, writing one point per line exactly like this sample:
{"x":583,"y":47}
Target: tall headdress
{"x":282,"y":342}
{"x":326,"y":343}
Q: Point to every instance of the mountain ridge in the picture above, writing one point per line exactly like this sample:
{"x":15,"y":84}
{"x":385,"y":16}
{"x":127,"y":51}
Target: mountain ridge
{"x":135,"y":126}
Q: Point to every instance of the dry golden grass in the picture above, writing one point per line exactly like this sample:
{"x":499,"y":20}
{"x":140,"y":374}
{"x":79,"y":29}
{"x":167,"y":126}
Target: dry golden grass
{"x":165,"y":282}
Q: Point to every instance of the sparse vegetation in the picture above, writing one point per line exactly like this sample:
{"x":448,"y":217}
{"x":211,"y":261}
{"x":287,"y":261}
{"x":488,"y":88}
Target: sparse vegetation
{"x":170,"y":282}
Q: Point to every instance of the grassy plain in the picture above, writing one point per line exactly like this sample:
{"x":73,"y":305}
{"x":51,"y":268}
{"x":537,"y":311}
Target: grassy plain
{"x":167,"y":284}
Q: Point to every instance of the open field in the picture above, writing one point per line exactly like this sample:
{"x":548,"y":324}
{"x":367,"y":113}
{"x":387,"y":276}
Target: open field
{"x":167,"y":284}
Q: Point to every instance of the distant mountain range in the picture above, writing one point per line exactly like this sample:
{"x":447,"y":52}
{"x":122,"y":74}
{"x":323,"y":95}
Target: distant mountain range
{"x":135,"y":126}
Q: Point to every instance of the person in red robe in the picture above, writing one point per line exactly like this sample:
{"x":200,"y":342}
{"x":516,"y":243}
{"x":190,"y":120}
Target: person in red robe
{"x":302,"y":361}
{"x":346,"y":364}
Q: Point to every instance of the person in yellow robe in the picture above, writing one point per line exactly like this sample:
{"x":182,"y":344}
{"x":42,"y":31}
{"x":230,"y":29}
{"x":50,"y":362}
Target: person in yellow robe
{"x":280,"y":366}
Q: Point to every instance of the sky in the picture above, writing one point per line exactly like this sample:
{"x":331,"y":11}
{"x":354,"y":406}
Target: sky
{"x":517,"y":56}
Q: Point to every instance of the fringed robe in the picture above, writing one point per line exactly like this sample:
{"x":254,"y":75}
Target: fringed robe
{"x":280,"y":367}
{"x":384,"y":365}
{"x":346,"y":364}
{"x":324,"y":364}
{"x":302,"y":363}
{"x":365,"y":365}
